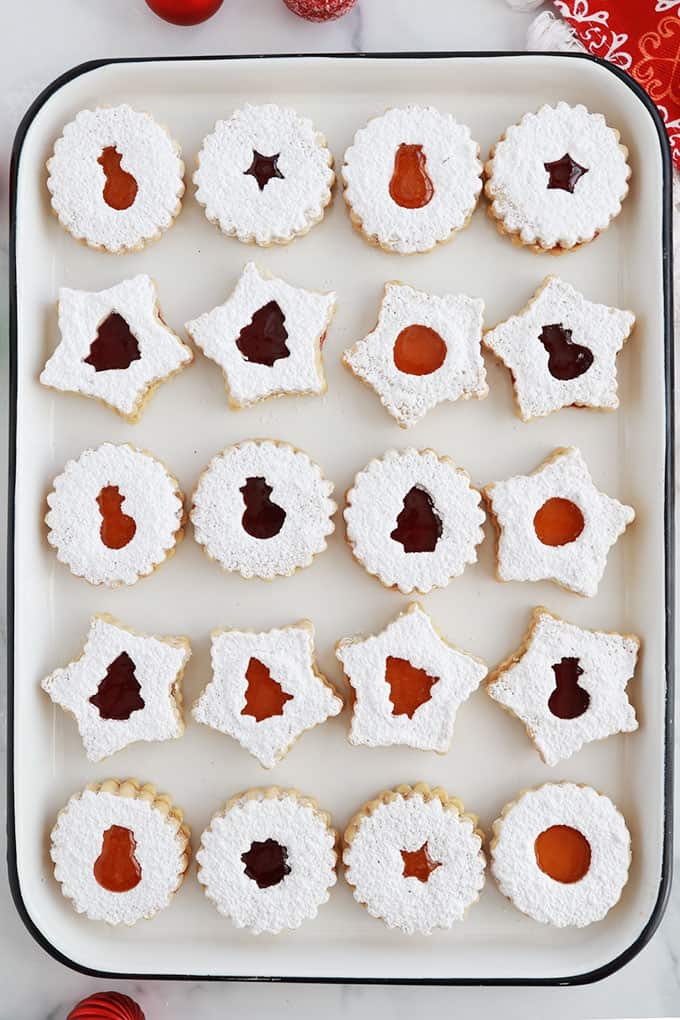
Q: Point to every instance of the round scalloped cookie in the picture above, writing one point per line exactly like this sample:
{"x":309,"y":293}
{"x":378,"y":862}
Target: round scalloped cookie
{"x":116,"y":178}
{"x":265,"y":175}
{"x":557,"y":179}
{"x":412,"y":179}
{"x":120,"y":851}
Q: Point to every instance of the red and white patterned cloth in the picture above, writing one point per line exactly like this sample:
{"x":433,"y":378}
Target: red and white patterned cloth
{"x":643,"y":38}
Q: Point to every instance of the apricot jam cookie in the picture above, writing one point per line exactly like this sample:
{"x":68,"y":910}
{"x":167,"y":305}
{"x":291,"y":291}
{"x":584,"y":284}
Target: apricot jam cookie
{"x":114,"y":515}
{"x":557,"y":179}
{"x":266,"y":689}
{"x":561,"y":350}
{"x":555,"y":525}
{"x":413,"y":520}
{"x":407,"y":683}
{"x":412,"y":179}
{"x":266,"y":338}
{"x":414,"y":858}
{"x":265,"y":175}
{"x":561,"y":854}
{"x":425,"y":349}
{"x":262,"y":509}
{"x":267,"y":860}
{"x":123,"y":687}
{"x":567,"y":685}
{"x":116,"y":178}
{"x":114,"y":346}
{"x":120,"y":851}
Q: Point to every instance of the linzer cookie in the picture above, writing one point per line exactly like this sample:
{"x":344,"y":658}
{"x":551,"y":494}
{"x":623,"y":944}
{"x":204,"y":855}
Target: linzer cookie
{"x":561,"y":350}
{"x":555,"y":525}
{"x":557,"y":179}
{"x":414,"y":858}
{"x":265,"y":175}
{"x":262,"y":509}
{"x":407,"y":683}
{"x":124,"y":687}
{"x":114,"y":515}
{"x":425,"y":349}
{"x":413,"y":520}
{"x":120,"y":851}
{"x":561,"y":854}
{"x":412,"y":179}
{"x":116,"y":178}
{"x":266,"y":338}
{"x":114,"y":346}
{"x":267,"y":860}
{"x":266,"y":689}
{"x":567,"y":685}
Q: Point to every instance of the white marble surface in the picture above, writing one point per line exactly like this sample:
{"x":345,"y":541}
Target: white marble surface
{"x":38,"y":40}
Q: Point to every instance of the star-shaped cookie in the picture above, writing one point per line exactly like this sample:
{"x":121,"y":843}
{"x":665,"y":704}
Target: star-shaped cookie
{"x":408,"y":683}
{"x":567,"y":685}
{"x":425,"y":349}
{"x":114,"y":346}
{"x":555,"y":525}
{"x":266,"y":689}
{"x":561,"y":350}
{"x":266,"y":338}
{"x":124,"y":687}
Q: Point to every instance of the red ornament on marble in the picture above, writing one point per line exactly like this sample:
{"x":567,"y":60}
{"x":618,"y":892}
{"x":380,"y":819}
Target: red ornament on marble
{"x":184,"y":12}
{"x":320,"y":10}
{"x":107,"y":1006}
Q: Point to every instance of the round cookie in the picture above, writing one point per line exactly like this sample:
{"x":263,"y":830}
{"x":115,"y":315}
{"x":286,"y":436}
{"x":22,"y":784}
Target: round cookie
{"x":265,"y":175}
{"x":412,"y":179}
{"x":116,"y":178}
{"x":120,"y":851}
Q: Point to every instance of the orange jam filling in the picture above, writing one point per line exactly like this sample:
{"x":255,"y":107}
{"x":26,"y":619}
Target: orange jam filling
{"x":410,"y":185}
{"x":558,"y":522}
{"x":264,"y":696}
{"x":409,"y":687}
{"x":117,"y":529}
{"x":117,"y":869}
{"x":120,"y":188}
{"x":563,"y":853}
{"x":418,"y":863}
{"x":419,"y":350}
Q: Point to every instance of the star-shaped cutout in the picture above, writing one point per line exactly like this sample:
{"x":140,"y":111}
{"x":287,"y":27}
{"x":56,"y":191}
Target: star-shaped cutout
{"x":418,"y":863}
{"x":114,"y":346}
{"x":424,"y":350}
{"x":441,"y":678}
{"x":555,"y":525}
{"x":564,"y":173}
{"x":561,"y":350}
{"x":266,"y":338}
{"x":264,"y":169}
{"x":235,"y":703}
{"x":566,"y":707}
{"x":124,"y":687}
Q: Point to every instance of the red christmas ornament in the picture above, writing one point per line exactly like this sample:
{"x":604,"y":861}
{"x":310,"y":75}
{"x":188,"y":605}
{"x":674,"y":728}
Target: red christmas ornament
{"x":319,"y":10}
{"x":184,"y":12}
{"x":106,"y":1006}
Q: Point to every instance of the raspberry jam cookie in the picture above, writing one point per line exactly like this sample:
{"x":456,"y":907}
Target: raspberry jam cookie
{"x":266,"y":338}
{"x":115,"y":514}
{"x":120,"y":851}
{"x":561,"y":350}
{"x":555,"y":525}
{"x":123,"y":687}
{"x":413,"y":520}
{"x":265,"y":175}
{"x":267,"y":860}
{"x":557,"y":179}
{"x":407,"y":683}
{"x":561,"y":854}
{"x":424,"y":350}
{"x":412,"y":179}
{"x":116,"y":179}
{"x":414,"y":859}
{"x":262,"y":509}
{"x":567,"y":685}
{"x":266,"y":689}
{"x":114,"y":346}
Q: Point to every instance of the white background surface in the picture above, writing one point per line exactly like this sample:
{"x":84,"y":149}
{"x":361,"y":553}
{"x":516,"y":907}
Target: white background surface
{"x":34,"y":987}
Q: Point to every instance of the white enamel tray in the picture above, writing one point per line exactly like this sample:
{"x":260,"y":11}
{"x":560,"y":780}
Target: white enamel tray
{"x":188,"y":421}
